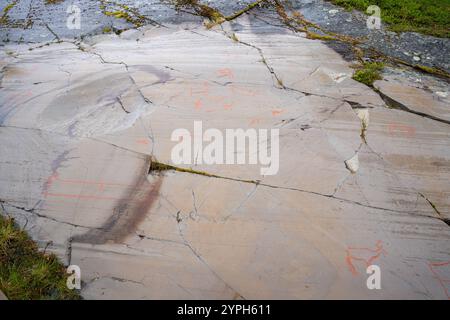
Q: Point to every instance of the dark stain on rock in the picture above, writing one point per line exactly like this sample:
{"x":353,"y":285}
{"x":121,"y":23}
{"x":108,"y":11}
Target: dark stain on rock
{"x":128,"y":213}
{"x":163,"y":76}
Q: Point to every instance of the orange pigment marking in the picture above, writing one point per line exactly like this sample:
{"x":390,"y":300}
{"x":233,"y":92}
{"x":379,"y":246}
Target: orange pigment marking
{"x":225,"y":72}
{"x":142,"y":141}
{"x":242,"y":91}
{"x":276,"y":112}
{"x":366,"y":255}
{"x":198,"y":104}
{"x":255,"y":121}
{"x":443,"y":281}
{"x":398,"y":128}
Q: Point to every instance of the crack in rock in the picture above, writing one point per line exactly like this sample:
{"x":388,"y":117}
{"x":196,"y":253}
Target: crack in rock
{"x":394,"y":104}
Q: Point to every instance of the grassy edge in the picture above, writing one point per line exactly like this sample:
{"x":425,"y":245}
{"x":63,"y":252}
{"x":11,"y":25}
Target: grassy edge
{"x":26,"y":273}
{"x":394,"y":22}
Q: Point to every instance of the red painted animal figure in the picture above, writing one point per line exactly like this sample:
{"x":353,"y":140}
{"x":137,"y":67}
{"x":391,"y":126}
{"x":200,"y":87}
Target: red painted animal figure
{"x":366,"y":255}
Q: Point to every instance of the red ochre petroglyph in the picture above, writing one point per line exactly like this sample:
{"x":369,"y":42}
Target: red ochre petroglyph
{"x":203,"y":95}
{"x":365,"y":255}
{"x":254,"y":121}
{"x":142,"y":141}
{"x":401,"y":129}
{"x":228,"y":106}
{"x":240,"y":90}
{"x":132,"y":204}
{"x":198,"y":104}
{"x":100,"y":186}
{"x":128,"y":211}
{"x":277,"y":112}
{"x":225,"y":72}
{"x":441,"y":271}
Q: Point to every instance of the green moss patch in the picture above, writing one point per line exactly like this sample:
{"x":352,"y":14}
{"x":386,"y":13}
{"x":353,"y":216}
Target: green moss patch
{"x":369,"y":73}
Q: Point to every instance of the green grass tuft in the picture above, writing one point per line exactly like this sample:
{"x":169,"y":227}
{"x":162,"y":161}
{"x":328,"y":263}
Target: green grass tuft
{"x":425,"y":16}
{"x":25,"y":272}
{"x":369,"y":72}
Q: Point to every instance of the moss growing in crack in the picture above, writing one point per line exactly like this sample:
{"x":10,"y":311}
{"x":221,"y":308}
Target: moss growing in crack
{"x":363,"y":131}
{"x":53,"y":1}
{"x":156,"y":166}
{"x":27,"y":273}
{"x":316,"y":36}
{"x":369,"y":73}
{"x":377,"y":55}
{"x":242,"y":11}
{"x":4,"y":18}
{"x":211,"y":13}
{"x":9,"y":7}
{"x":299,"y":23}
{"x":201,"y":9}
{"x":214,"y":15}
{"x":280,"y":82}
{"x":246,"y":9}
{"x":123,"y":15}
{"x":121,"y":11}
{"x":432,"y":70}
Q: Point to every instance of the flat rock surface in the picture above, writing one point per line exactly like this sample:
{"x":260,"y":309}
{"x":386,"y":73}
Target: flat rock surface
{"x":362,"y":180}
{"x":413,"y":99}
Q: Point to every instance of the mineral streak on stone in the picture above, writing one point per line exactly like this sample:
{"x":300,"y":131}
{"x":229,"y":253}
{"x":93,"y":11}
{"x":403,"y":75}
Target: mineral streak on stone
{"x":80,"y":123}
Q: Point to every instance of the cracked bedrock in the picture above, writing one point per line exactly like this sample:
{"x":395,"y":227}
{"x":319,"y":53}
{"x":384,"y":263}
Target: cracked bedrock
{"x":364,"y":173}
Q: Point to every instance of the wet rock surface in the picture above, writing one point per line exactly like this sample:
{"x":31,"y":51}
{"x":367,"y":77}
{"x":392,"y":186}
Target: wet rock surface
{"x":363,"y":175}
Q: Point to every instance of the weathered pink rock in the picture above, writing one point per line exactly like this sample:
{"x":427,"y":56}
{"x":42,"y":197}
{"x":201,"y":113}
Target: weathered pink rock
{"x":416,"y":100}
{"x":355,"y":186}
